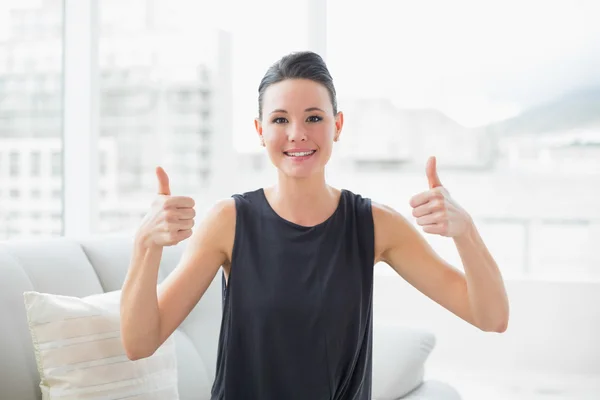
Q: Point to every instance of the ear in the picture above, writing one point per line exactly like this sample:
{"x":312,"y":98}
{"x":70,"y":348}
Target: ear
{"x":339,"y":123}
{"x":258,"y":127}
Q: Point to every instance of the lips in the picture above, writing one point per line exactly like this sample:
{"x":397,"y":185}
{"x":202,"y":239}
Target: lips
{"x":299,"y":153}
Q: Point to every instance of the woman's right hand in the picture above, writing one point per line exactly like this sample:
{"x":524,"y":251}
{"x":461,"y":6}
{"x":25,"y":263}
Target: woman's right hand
{"x":170,"y":219}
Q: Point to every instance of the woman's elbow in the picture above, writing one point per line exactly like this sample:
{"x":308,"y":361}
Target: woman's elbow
{"x":136,"y":349}
{"x":499,"y":326}
{"x":134,"y":354}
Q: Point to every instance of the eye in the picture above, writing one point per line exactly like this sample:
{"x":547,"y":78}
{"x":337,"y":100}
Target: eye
{"x":314,"y":118}
{"x":279,"y":120}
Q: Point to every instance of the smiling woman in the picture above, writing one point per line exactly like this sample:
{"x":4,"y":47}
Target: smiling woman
{"x":298,"y":138}
{"x":298,"y":259}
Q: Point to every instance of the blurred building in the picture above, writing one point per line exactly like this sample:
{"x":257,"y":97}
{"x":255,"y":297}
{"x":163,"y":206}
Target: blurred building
{"x":31,"y":194}
{"x":378,"y":135}
{"x":156,"y":106}
{"x":576,"y":152}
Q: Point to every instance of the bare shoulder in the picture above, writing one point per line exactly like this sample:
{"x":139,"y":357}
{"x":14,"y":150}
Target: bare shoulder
{"x":209,"y":247}
{"x":221,"y":213}
{"x":390,"y":227}
{"x":217,"y":227}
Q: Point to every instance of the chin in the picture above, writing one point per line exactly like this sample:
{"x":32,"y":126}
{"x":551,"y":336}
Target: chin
{"x":298,"y":174}
{"x":300,"y":170}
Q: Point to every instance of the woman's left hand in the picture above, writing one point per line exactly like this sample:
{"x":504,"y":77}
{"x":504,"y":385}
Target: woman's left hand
{"x":437,"y":212}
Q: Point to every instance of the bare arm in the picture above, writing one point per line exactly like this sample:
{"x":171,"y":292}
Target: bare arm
{"x":478,"y":296}
{"x":149,"y":316}
{"x":139,"y":306}
{"x":208,"y":250}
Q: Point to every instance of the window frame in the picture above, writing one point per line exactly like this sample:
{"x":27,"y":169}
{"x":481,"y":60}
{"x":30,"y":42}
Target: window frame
{"x":80,"y":117}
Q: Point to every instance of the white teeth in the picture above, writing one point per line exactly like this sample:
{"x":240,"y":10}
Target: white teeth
{"x":301,"y":153}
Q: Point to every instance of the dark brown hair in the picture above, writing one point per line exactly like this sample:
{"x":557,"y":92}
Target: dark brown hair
{"x":299,"y":65}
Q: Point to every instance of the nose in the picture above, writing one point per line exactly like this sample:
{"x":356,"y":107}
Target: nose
{"x":297,"y":133}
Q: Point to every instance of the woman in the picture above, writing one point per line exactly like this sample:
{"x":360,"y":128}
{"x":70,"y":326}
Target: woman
{"x":298,"y":259}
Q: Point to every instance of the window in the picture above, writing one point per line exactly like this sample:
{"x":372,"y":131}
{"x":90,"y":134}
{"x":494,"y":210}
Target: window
{"x":30,"y":113}
{"x":14,"y":164}
{"x":154,"y":71}
{"x":510,"y":112}
{"x":35,"y":164}
{"x":163,"y":77}
{"x":56,"y":166}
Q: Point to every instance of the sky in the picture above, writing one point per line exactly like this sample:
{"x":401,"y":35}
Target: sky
{"x":476,"y":60}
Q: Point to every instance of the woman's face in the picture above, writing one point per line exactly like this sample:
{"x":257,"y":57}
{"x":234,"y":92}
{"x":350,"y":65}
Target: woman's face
{"x":298,"y":126}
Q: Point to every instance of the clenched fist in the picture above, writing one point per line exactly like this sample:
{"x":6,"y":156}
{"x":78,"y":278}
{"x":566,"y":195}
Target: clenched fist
{"x":170,"y":219}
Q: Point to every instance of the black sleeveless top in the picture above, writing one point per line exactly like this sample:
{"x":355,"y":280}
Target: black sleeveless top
{"x":297,"y":308}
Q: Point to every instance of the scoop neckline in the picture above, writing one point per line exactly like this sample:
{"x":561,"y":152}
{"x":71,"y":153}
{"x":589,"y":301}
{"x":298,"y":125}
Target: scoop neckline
{"x":298,"y":226}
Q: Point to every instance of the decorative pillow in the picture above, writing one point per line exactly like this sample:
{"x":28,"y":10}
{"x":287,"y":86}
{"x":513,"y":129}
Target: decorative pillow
{"x":399,"y":355}
{"x":79,"y":353}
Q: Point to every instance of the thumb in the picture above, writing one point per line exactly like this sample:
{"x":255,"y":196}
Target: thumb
{"x":163,"y":182}
{"x":431,"y":171}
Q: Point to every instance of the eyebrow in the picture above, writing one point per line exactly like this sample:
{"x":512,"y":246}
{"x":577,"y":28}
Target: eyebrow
{"x":279,"y":110}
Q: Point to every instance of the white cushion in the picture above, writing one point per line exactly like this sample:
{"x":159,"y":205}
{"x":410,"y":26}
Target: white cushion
{"x":79,"y":353}
{"x":399,"y":355}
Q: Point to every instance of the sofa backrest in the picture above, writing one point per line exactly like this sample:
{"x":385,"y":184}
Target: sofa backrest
{"x":82,"y":268}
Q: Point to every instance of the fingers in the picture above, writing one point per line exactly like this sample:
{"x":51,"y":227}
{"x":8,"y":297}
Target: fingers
{"x":431,"y":219}
{"x":176,"y":220}
{"x":173,"y":215}
{"x":420,"y":199}
{"x":179,"y":202}
{"x":436,"y":229}
{"x":184,"y":234}
{"x":185,"y":224}
{"x":173,"y":225}
{"x":185,"y":213}
{"x":163,"y":182}
{"x":174,"y":237}
{"x":425,"y":197}
{"x":431,"y":206}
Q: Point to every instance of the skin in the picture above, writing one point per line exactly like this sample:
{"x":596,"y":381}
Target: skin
{"x":298,"y":114}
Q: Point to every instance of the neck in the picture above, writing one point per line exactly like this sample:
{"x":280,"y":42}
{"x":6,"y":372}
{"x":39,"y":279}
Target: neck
{"x":306,"y":201}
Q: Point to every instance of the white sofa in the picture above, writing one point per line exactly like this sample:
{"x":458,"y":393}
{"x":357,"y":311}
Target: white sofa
{"x":549,"y":352}
{"x":98,"y":264}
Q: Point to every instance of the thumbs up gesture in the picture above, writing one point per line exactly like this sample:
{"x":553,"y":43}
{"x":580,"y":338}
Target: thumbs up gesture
{"x":170,"y":219}
{"x":436,"y":212}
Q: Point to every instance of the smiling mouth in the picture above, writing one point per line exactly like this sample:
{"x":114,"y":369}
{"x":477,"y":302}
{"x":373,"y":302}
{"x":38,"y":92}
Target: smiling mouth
{"x":299,"y":153}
